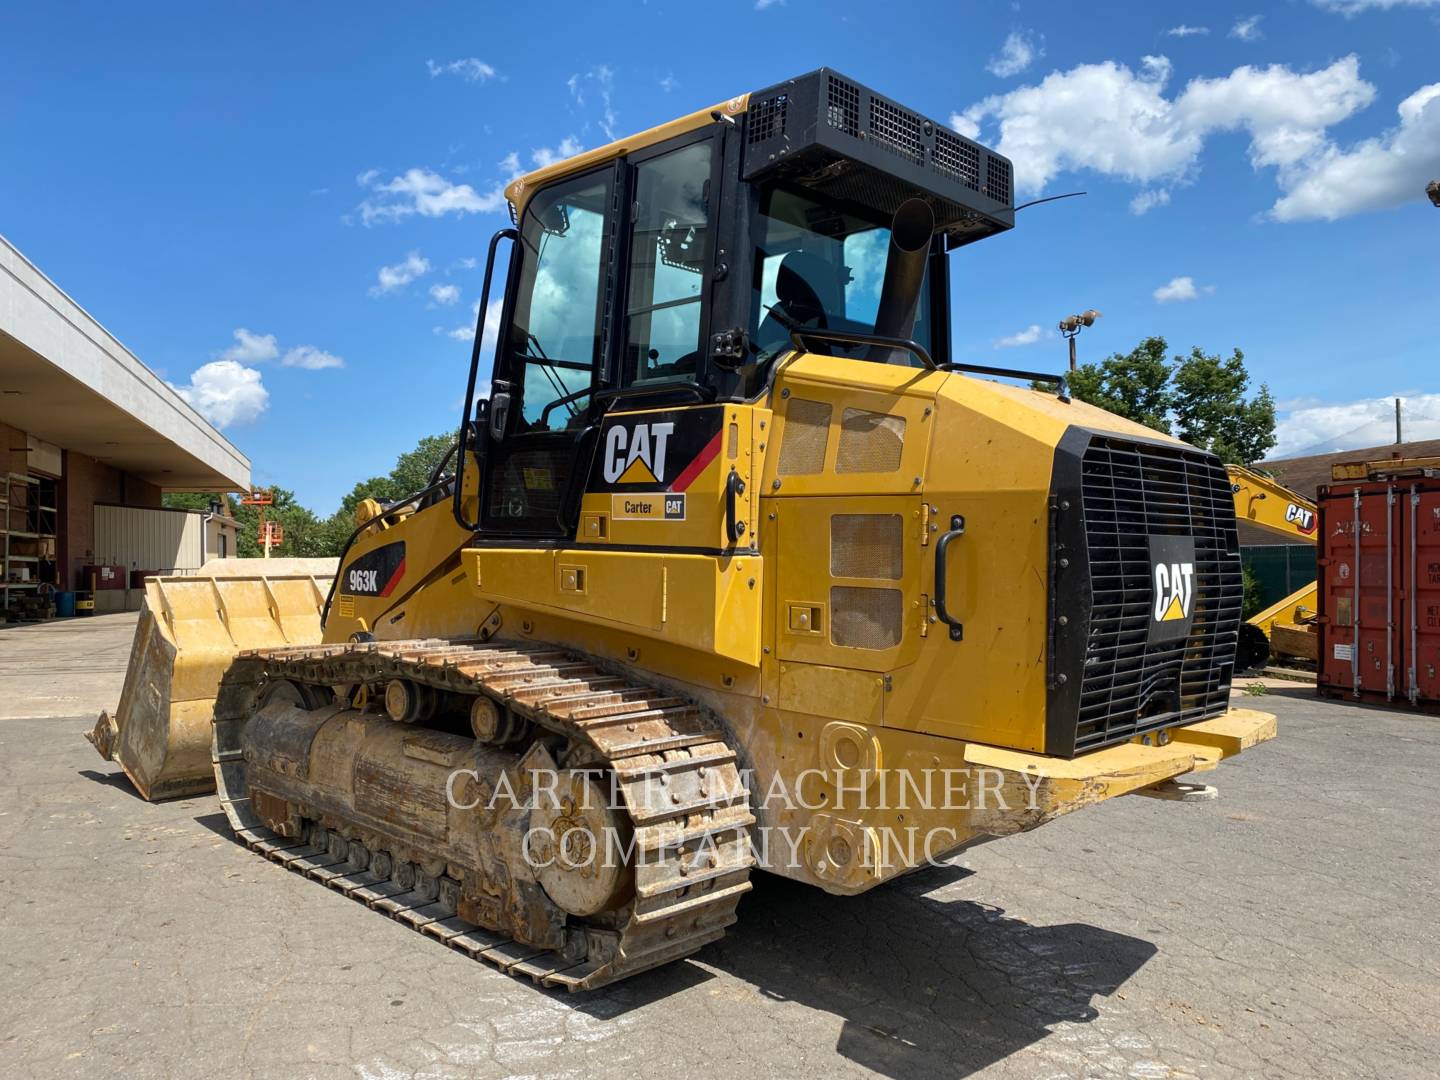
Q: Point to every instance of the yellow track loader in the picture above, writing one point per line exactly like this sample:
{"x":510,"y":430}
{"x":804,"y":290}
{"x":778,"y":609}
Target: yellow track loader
{"x":733,"y":566}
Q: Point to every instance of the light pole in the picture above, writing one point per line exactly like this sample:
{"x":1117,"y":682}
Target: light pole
{"x":1071,"y":325}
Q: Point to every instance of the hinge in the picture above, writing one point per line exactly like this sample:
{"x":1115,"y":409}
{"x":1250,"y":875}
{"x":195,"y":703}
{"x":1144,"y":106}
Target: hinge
{"x":925,"y":527}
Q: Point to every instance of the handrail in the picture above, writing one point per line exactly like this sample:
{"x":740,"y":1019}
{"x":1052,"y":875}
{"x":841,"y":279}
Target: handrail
{"x":851,"y":337}
{"x":467,"y":413}
{"x":1061,"y":381}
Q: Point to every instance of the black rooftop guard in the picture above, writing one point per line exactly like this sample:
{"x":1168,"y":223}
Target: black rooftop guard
{"x":828,"y":133}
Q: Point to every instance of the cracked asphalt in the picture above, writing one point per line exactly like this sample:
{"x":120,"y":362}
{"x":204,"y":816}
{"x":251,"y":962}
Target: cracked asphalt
{"x":1288,"y":929}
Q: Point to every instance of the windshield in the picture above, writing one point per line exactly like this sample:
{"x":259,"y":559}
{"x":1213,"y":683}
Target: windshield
{"x":818,"y":267}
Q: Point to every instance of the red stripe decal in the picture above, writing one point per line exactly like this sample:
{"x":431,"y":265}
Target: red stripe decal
{"x":696,"y":467}
{"x":394,"y":579}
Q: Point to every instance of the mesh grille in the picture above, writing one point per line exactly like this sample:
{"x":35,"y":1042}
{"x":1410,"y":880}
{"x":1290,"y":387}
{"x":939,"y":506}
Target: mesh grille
{"x":807,"y":426}
{"x":997,"y":179}
{"x":842,"y":101}
{"x":530,"y":483}
{"x":863,"y":618}
{"x":957,"y":158}
{"x":870,"y":442}
{"x":767,"y":119}
{"x":1130,"y":492}
{"x":896,"y":130}
{"x":866,"y":546}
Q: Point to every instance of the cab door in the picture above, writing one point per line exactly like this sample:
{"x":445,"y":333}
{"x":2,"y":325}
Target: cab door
{"x":549,"y":359}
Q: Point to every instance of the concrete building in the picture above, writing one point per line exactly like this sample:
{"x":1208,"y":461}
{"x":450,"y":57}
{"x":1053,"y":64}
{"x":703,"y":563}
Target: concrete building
{"x":86,"y":430}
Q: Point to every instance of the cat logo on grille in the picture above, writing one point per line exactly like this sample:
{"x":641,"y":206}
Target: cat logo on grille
{"x":1174,"y":589}
{"x":1174,"y":584}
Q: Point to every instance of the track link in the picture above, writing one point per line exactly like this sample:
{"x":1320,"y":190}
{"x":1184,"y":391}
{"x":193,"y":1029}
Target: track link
{"x":678,"y":777}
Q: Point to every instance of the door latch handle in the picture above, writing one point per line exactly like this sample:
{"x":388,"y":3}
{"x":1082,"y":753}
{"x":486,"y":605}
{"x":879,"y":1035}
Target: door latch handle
{"x":957,"y":528}
{"x":734,"y":488}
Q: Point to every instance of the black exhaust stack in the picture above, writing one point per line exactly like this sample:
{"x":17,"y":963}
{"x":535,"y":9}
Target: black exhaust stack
{"x":910,"y":233}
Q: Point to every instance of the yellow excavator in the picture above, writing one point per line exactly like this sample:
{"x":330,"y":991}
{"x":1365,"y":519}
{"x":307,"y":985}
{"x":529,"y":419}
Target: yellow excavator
{"x":732,"y":567}
{"x":1286,"y":627}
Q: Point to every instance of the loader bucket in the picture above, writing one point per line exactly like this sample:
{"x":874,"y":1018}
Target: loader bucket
{"x":190,"y":629}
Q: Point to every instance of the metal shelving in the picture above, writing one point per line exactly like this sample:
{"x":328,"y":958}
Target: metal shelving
{"x":28,"y":529}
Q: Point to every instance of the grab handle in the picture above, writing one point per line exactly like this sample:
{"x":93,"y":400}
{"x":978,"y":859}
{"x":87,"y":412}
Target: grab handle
{"x":957,"y":628}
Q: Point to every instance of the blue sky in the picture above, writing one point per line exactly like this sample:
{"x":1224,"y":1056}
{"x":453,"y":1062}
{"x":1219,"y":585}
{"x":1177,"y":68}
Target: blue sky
{"x":295,"y":195}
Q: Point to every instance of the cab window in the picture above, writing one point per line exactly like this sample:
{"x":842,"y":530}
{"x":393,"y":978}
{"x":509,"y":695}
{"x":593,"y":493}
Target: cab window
{"x":669,"y":251}
{"x":554,"y":339}
{"x":818,"y":267}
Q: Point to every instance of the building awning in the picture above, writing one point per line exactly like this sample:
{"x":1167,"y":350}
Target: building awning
{"x":65,"y":379}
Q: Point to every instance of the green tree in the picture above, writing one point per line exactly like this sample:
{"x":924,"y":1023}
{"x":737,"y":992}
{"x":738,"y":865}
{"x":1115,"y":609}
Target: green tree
{"x":1135,"y":385}
{"x":1211,"y":409}
{"x":1199,"y":398}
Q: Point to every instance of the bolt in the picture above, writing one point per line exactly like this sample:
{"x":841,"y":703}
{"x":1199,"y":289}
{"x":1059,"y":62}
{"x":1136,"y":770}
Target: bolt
{"x":785,"y":393}
{"x":775,"y":486}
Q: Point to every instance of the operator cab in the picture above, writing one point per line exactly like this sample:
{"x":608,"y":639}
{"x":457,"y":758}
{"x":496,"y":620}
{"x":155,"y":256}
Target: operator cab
{"x":677,"y":271}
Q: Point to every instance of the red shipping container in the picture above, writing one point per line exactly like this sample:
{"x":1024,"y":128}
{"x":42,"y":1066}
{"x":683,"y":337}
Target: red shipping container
{"x":1380,"y":589}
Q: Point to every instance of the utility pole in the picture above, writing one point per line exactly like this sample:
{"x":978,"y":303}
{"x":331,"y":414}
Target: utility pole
{"x":1398,"y":437}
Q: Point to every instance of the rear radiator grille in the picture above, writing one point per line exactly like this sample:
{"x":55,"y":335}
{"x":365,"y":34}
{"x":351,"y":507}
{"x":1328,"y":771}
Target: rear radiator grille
{"x":870,"y":442}
{"x":1130,"y":493}
{"x":802,"y":444}
{"x":862,"y":618}
{"x":866,"y":546}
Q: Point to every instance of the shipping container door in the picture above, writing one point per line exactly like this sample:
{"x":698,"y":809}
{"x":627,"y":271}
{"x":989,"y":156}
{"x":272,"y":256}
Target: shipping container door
{"x":1362,"y":582}
{"x":1419,"y":618}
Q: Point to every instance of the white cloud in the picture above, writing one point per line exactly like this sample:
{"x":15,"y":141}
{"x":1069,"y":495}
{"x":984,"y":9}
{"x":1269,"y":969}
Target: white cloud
{"x":761,"y":5}
{"x":1180,"y":289}
{"x":492,"y":327}
{"x":420,"y":191}
{"x":668,"y":83}
{"x":251,"y":348}
{"x":470,"y":69}
{"x":1350,"y":8}
{"x":1017,"y":53}
{"x":1148,"y":199}
{"x":444,"y":294}
{"x":545,"y":155}
{"x":1029,"y":336}
{"x":1247,"y":29}
{"x":390,"y":278}
{"x":601,"y":80}
{"x":310,"y":358}
{"x":1374,"y":174}
{"x":226,"y":392}
{"x":1328,"y":428}
{"x":1187,"y":31}
{"x":1121,"y":123}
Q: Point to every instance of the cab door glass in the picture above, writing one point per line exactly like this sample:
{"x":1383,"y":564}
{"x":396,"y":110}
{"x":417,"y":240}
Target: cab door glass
{"x":554,"y":339}
{"x":669,"y":251}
